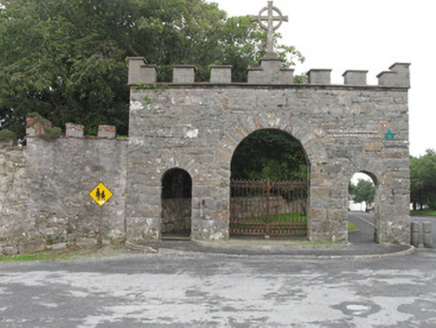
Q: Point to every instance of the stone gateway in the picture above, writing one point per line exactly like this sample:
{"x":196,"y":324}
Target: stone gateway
{"x":181,"y":141}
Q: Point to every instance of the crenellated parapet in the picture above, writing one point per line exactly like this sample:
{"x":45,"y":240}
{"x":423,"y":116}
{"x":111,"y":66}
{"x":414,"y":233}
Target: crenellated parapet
{"x":269,"y":72}
{"x":397,"y":76}
{"x":36,"y":126}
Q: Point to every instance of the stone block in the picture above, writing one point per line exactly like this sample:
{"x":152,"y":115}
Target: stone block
{"x":221,"y":74}
{"x":270,"y":73}
{"x":354,"y":77}
{"x":373,"y":146}
{"x":319,"y":76}
{"x":107,"y":131}
{"x":184,"y":74}
{"x":10,"y":250}
{"x":36,"y":125}
{"x":86,"y":242}
{"x":58,"y":246}
{"x":32,"y":247}
{"x":139,"y":72}
{"x":73,"y":130}
{"x":397,"y":76}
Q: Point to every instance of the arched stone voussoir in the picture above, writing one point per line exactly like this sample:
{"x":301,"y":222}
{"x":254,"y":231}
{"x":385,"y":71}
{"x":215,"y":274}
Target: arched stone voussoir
{"x":298,"y":129}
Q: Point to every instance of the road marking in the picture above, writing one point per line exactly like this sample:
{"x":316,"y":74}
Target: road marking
{"x":370,"y":223}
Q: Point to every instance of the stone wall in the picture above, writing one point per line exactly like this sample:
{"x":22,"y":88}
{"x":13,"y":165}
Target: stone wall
{"x":44,"y":192}
{"x":342,"y":128}
{"x":176,"y":215}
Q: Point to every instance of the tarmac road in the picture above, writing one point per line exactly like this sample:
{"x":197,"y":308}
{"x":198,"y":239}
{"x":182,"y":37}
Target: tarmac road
{"x":365,"y":222}
{"x":156,"y":290}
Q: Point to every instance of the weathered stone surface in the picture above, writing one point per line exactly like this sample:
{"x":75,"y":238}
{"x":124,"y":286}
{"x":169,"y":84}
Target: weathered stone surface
{"x":32,"y":247}
{"x":44,"y":189}
{"x":340,"y":129}
{"x":176,"y":215}
{"x":57,"y":246}
{"x":10,"y":250}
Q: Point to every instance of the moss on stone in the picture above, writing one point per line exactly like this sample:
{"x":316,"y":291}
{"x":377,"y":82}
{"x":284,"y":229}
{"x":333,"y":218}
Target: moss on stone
{"x":51,"y":133}
{"x":37,"y":117}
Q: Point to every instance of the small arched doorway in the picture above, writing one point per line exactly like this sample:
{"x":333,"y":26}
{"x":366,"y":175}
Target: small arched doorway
{"x":363,"y":207}
{"x":269,"y":186}
{"x":176,"y":203}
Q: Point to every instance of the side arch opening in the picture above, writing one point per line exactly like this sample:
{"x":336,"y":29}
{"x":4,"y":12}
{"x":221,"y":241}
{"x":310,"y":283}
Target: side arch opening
{"x":269,"y":186}
{"x":363,"y":207}
{"x":176,"y":203}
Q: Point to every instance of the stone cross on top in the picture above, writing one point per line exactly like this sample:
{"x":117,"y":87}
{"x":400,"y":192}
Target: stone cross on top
{"x":270,"y":18}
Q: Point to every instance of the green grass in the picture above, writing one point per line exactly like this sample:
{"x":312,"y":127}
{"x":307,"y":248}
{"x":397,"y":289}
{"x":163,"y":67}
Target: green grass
{"x":352,"y":227}
{"x":42,"y":256}
{"x":63,"y":255}
{"x":427,"y":211}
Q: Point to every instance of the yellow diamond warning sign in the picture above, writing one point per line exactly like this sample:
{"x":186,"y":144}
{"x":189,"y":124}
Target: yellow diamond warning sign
{"x":100,"y":194}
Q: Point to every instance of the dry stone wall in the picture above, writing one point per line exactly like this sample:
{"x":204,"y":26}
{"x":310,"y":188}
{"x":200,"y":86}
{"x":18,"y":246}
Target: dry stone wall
{"x":44,"y":192}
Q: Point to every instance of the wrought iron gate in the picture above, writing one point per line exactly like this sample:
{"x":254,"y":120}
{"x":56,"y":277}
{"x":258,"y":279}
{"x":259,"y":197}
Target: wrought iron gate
{"x":268,"y":208}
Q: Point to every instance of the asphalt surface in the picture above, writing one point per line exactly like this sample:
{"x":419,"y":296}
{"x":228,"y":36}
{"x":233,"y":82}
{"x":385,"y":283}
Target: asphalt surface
{"x":263,"y":288}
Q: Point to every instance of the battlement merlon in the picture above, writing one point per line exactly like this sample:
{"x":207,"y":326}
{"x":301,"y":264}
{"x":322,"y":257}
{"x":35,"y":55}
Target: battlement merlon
{"x":140,"y":72}
{"x":270,"y":72}
{"x":397,"y":76}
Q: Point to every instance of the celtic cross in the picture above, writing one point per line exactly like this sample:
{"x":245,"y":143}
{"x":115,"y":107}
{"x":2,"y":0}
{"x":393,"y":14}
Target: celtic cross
{"x":270,"y":19}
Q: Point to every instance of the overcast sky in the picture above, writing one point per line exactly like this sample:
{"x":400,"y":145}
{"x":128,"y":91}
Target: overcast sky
{"x":365,"y":35}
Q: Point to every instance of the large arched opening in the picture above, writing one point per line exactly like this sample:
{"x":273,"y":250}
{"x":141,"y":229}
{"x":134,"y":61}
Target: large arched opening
{"x":176,"y":204}
{"x":363,"y":207}
{"x":269,"y":186}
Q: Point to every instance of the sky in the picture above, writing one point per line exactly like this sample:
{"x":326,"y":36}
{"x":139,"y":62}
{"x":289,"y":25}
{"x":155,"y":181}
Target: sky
{"x":364,"y":35}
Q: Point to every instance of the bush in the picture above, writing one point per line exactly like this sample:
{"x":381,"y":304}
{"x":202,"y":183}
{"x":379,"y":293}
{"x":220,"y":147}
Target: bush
{"x":51,"y":133}
{"x":7,"y":134}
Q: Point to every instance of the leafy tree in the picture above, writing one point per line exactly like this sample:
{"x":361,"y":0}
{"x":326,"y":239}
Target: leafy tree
{"x":66,"y":59}
{"x":269,"y":154}
{"x":423,"y":180}
{"x":364,"y":191}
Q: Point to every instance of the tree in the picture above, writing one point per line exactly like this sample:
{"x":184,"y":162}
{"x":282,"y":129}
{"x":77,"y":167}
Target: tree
{"x":269,"y":154}
{"x":364,"y":191}
{"x":66,"y":59}
{"x":423,"y":180}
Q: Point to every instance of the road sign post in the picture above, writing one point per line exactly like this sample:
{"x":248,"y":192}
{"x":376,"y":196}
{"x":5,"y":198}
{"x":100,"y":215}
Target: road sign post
{"x":100,"y":194}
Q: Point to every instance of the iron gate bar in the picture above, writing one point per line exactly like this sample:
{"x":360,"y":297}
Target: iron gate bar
{"x":268,"y":208}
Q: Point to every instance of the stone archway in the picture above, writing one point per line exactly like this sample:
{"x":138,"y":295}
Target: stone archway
{"x":364,"y":206}
{"x":269,"y":186}
{"x":176,"y":203}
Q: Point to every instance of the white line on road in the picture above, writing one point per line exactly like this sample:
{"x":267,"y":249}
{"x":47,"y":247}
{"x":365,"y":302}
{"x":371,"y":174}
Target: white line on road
{"x":363,"y":219}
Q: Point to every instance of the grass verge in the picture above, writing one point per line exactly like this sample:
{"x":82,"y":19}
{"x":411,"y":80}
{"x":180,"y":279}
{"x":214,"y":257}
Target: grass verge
{"x":426,"y":212}
{"x":68,"y":254}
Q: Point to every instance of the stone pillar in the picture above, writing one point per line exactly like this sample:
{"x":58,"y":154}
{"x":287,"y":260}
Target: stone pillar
{"x":139,"y":72}
{"x":428,"y":242}
{"x":270,"y":72}
{"x":353,"y":77}
{"x":221,"y":74}
{"x":184,"y":74}
{"x":107,"y":131}
{"x":393,"y":212}
{"x":73,"y":130}
{"x":415,"y":234}
{"x":319,"y":76}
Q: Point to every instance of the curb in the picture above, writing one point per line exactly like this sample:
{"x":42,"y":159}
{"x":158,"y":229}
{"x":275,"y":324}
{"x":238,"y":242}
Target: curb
{"x":167,"y":251}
